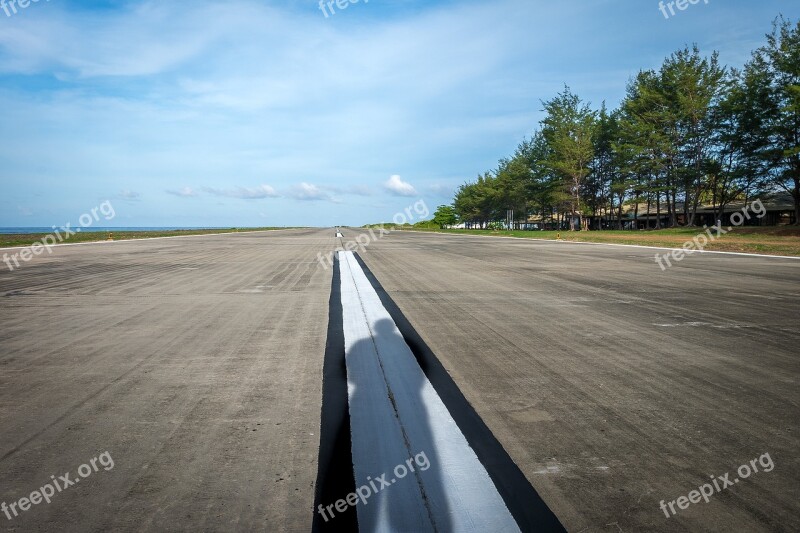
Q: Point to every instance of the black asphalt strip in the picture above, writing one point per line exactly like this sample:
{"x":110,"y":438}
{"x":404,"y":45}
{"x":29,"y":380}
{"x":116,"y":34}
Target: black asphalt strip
{"x":335,"y":477}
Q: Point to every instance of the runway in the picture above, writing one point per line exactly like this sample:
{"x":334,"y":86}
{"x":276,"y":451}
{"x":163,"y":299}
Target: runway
{"x":197,"y":364}
{"x":611,"y":383}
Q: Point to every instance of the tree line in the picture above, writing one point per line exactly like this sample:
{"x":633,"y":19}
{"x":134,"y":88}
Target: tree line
{"x":693,"y":132}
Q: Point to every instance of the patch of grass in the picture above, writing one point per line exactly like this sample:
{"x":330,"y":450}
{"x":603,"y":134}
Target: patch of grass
{"x":8,"y":240}
{"x":781,"y":240}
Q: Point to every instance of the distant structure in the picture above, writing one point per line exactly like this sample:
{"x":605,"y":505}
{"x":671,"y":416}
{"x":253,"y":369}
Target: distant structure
{"x":779,"y":207}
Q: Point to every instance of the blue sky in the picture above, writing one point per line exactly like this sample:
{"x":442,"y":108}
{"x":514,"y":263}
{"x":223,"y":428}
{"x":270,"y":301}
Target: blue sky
{"x":262,"y":113}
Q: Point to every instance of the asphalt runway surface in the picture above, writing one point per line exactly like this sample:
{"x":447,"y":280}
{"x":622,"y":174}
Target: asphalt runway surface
{"x":196,"y":365}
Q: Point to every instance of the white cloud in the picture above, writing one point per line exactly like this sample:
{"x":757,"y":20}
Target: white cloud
{"x":245,"y":193}
{"x":356,"y":190}
{"x":186,"y":192}
{"x":398,"y":187}
{"x":309,"y":192}
{"x":360,"y":190}
{"x":127,"y":194}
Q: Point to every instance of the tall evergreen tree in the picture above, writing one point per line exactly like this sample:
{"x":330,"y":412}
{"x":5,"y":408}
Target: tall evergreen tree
{"x":569,"y":129}
{"x":779,"y":61}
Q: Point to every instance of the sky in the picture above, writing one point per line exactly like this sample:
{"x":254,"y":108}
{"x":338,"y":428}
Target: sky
{"x":265,"y":113}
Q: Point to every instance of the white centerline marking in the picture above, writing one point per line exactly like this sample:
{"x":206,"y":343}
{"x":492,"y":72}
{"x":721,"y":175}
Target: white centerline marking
{"x":395,"y":413}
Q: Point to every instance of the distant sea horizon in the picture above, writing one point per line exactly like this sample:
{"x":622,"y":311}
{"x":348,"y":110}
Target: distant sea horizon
{"x":29,"y":230}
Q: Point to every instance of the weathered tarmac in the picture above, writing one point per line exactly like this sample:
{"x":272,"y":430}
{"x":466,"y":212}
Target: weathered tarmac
{"x":196,"y":363}
{"x":614,"y":385}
